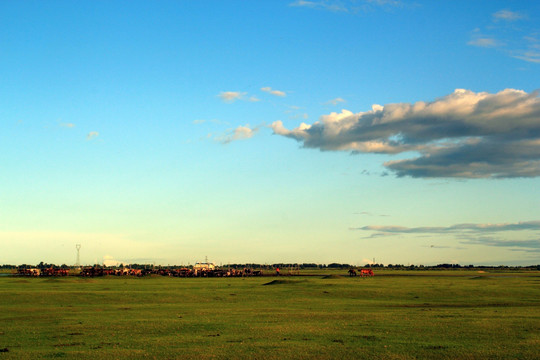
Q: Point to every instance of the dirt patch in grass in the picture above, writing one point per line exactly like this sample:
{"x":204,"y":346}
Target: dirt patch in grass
{"x":370,"y":337}
{"x":21,"y":281}
{"x":85,"y":280}
{"x":283,"y":281}
{"x":436,"y":347}
{"x":70,"y":344}
{"x":461,"y":305}
{"x":333,"y":277}
{"x":105,"y":344}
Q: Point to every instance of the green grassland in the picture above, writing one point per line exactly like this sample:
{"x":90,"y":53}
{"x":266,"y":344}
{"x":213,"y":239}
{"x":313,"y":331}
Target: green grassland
{"x":399,"y":315}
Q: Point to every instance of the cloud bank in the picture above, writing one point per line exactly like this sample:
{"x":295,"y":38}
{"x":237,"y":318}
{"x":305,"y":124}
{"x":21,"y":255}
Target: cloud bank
{"x":483,"y":228}
{"x":473,"y":234}
{"x":460,"y":135}
{"x":532,"y":245}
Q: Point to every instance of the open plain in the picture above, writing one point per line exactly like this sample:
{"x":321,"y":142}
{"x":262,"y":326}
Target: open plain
{"x":394,"y":315}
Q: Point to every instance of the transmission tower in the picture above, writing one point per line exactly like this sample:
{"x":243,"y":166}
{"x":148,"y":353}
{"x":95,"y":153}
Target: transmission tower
{"x":78,"y":247}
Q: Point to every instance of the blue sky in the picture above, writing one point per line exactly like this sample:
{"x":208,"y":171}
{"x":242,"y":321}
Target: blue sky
{"x":269,"y":131}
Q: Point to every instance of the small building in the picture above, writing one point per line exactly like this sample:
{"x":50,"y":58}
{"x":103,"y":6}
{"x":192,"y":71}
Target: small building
{"x":204,"y":266}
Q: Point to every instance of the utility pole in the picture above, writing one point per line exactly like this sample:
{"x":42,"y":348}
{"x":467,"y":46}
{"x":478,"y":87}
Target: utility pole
{"x":78,"y":247}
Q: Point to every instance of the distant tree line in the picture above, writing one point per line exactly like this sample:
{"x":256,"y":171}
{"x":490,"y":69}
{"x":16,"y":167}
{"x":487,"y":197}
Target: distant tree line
{"x":285,"y":266}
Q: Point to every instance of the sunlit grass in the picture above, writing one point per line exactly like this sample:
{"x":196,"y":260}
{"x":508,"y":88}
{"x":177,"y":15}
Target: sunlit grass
{"x":385,"y":317}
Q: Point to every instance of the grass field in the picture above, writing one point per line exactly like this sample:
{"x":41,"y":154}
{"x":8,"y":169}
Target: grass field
{"x":428,"y":315}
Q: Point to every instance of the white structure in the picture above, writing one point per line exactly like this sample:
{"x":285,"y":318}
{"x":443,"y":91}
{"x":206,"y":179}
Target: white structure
{"x":204,"y":265}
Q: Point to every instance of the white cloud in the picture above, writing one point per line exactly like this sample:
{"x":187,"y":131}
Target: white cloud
{"x":240,"y":133}
{"x":483,"y":42}
{"x":529,"y":56}
{"x":507,"y":15}
{"x":273,"y":92}
{"x":386,"y":2}
{"x":231,"y":96}
{"x":530,"y":50}
{"x":213,"y":121}
{"x":347,"y":6}
{"x":325,"y":5}
{"x":304,"y":3}
{"x":67,"y":125}
{"x":369,"y":213}
{"x":335,"y":101}
{"x":92,"y":135}
{"x":463,"y":134}
{"x":519,"y":42}
{"x":304,"y":116}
